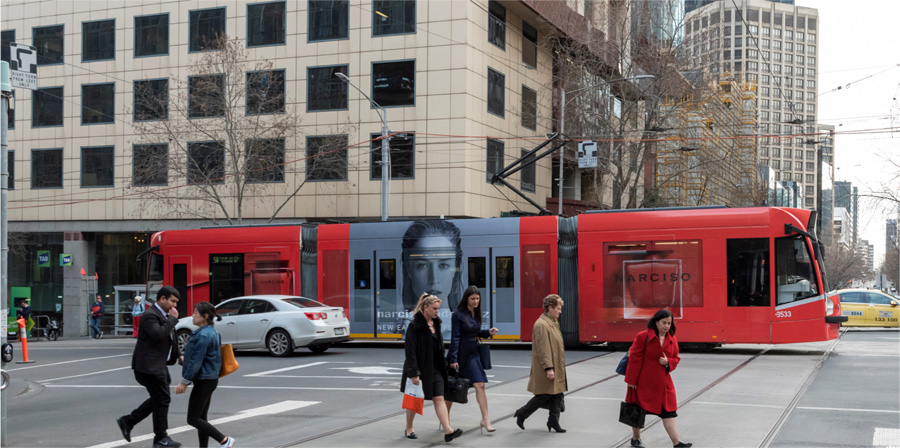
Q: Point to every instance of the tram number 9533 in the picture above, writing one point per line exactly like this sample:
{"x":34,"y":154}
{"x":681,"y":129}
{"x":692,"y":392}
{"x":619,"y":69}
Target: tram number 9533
{"x":782,"y":314}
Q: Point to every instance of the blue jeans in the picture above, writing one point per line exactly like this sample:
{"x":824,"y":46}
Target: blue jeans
{"x":95,"y":326}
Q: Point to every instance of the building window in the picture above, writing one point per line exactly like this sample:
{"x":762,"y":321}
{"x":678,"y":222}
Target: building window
{"x":529,"y":45}
{"x":528,"y":171}
{"x":809,"y":202}
{"x":266,"y":24}
{"x":496,"y":92}
{"x":326,"y":157}
{"x":810,"y":178}
{"x":206,"y":163}
{"x":810,"y":166}
{"x":6,"y":37}
{"x":529,"y":108}
{"x":47,"y":107}
{"x":98,"y":40}
{"x":98,"y":166}
{"x":206,"y":96}
{"x":49,"y":43}
{"x":494,"y":158}
{"x":497,"y":24}
{"x":264,"y":160}
{"x":265,"y":92}
{"x":150,"y":165}
{"x":328,"y":19}
{"x":11,"y":164}
{"x":46,"y":168}
{"x":393,"y":17}
{"x":151,"y":100}
{"x":206,"y":27}
{"x":98,"y":103}
{"x":324,"y":90}
{"x":151,"y":35}
{"x":403,"y":150}
{"x":11,"y":114}
{"x":394,"y":83}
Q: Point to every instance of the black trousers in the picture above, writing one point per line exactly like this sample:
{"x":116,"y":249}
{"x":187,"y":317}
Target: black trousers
{"x":198,"y":407}
{"x":158,"y":403}
{"x":551,"y":401}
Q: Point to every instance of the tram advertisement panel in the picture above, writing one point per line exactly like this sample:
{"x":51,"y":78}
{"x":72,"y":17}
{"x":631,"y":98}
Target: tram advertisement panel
{"x":643,"y":276}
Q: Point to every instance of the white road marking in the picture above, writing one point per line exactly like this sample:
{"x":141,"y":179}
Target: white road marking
{"x":886,"y":437}
{"x":512,"y":367}
{"x":811,"y":408}
{"x":301,"y":366}
{"x":372,"y":370}
{"x":83,"y":374}
{"x":138,"y":386}
{"x":66,"y":362}
{"x":276,"y":408}
{"x":713,"y":403}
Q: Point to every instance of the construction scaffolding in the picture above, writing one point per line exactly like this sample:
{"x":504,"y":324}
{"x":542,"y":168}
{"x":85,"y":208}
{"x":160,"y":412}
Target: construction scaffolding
{"x":709,"y":156}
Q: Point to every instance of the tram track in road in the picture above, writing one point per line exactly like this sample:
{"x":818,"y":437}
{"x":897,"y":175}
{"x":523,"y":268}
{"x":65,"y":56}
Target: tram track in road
{"x":428,"y":405}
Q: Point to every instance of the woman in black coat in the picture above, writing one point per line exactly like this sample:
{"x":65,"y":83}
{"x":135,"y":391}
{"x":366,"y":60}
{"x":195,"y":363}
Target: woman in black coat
{"x":464,"y":355}
{"x":425,"y":363}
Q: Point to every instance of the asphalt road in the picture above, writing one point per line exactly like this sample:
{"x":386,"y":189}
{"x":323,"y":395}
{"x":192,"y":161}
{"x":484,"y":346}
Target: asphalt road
{"x":734,"y":396}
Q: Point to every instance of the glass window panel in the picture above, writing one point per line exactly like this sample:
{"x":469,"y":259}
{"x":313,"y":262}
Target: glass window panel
{"x":528,"y":172}
{"x":393,"y":17}
{"x":265,"y":160}
{"x":326,"y":157}
{"x":496,"y":92}
{"x":6,"y":37}
{"x":328,"y":19}
{"x":206,"y":163}
{"x":206,"y":28}
{"x":98,"y":167}
{"x":49,"y":43}
{"x":497,"y":24}
{"x":529,"y":108}
{"x":402,"y":156}
{"x":151,"y":165}
{"x":98,"y":40}
{"x":151,"y":100}
{"x":529,"y":45}
{"x":47,"y":107}
{"x":265,"y":24}
{"x":394,"y":83}
{"x":151,"y":35}
{"x":324,"y":90}
{"x":206,"y":96}
{"x":265,"y":92}
{"x":495,"y":150}
{"x":46,"y":168}
{"x":98,"y":103}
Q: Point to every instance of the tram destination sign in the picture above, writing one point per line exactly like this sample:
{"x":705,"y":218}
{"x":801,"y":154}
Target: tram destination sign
{"x":23,"y":66}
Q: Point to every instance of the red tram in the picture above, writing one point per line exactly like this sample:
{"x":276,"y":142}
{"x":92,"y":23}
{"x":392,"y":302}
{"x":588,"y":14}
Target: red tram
{"x":745,"y":275}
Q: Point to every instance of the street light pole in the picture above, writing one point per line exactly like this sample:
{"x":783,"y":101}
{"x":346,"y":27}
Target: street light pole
{"x":385,"y":148}
{"x":562,"y":130}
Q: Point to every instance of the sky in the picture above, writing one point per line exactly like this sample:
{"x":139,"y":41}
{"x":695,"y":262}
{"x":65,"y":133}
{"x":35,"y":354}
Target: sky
{"x":858,"y":52}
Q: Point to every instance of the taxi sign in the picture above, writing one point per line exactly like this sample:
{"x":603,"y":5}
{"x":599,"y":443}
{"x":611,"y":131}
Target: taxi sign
{"x":23,"y":66}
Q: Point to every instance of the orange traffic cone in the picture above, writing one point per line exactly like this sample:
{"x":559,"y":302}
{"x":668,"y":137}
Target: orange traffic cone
{"x":23,"y":336}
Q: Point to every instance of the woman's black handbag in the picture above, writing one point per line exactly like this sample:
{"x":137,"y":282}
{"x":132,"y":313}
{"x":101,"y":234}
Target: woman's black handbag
{"x":457,"y":390}
{"x":484,"y":351}
{"x":631,"y":413}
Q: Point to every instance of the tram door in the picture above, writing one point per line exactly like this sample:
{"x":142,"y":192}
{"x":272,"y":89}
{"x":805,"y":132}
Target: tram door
{"x":181,"y":269}
{"x":476,"y":273}
{"x":362,"y":313}
{"x":506,"y":308}
{"x":390,"y":317}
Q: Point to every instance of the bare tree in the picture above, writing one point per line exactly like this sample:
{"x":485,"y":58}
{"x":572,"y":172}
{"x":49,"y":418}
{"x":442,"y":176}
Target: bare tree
{"x":843,"y":264}
{"x":227,"y":135}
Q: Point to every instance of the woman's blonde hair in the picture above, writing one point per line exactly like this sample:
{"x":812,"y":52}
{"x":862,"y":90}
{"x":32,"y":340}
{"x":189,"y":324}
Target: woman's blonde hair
{"x":552,"y":301}
{"x":425,"y":300}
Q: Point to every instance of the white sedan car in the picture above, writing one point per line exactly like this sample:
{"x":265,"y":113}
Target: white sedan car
{"x":277,"y":323}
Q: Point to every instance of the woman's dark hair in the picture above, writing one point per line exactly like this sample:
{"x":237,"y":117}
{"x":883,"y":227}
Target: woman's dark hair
{"x":464,"y":303}
{"x":208,"y":311}
{"x":660,"y":315}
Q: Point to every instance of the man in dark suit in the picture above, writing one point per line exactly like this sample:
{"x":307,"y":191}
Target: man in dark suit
{"x":155,"y":350}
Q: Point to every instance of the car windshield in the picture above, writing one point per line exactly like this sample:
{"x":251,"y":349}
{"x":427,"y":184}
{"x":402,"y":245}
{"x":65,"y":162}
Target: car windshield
{"x":303,"y":302}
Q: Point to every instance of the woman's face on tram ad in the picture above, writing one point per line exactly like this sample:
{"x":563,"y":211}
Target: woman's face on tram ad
{"x":474,"y":300}
{"x":431,"y":311}
{"x":663,"y":325}
{"x":433,"y":266}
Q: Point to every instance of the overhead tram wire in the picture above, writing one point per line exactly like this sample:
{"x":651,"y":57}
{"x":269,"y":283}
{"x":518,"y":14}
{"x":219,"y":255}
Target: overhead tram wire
{"x":847,"y":86}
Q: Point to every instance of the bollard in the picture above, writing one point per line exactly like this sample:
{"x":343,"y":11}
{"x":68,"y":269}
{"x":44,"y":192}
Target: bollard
{"x":23,"y":336}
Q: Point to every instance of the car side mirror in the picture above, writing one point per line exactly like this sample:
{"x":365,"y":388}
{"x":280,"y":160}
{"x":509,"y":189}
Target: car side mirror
{"x":893,"y":303}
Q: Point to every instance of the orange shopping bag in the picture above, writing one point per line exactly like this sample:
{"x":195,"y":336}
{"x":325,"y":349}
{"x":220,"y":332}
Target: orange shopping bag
{"x":413,"y":397}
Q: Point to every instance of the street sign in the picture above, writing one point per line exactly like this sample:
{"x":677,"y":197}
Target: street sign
{"x":65,"y":259}
{"x":23,"y":66}
{"x":587,"y":154}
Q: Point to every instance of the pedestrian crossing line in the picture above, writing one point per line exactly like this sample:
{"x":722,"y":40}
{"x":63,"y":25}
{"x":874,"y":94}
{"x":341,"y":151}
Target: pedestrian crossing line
{"x":889,"y":437}
{"x":44,"y":382}
{"x":811,"y":408}
{"x":271,"y":409}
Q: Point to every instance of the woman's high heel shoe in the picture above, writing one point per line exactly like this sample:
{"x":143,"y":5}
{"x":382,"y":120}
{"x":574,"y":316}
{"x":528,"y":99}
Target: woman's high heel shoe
{"x":486,"y":426}
{"x":554,"y":426}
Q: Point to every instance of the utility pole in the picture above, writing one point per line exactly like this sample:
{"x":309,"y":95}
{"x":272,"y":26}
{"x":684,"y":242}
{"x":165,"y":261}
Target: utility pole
{"x":4,"y":224}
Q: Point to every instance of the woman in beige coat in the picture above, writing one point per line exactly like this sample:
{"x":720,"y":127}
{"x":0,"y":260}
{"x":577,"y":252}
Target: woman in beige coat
{"x":548,"y":366}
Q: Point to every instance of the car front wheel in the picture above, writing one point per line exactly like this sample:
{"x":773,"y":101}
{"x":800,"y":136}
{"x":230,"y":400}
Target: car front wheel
{"x":182,"y":337}
{"x":279,"y":343}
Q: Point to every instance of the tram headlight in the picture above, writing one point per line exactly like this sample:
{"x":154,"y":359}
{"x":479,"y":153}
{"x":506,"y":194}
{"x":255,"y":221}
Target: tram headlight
{"x":829,"y":306}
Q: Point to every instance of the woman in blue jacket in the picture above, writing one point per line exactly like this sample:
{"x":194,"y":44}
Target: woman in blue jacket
{"x":464,"y":355}
{"x":202,"y":362}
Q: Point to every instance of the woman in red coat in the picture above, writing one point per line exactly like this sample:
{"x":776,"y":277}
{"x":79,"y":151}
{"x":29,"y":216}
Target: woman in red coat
{"x":653,"y":356}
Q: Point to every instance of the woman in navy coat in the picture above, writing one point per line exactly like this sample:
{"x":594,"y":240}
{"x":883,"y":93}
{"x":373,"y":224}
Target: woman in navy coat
{"x":464,"y":356}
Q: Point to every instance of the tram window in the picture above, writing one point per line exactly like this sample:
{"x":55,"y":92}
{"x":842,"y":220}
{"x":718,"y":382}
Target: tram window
{"x":362,"y":274}
{"x":535,"y":274}
{"x":387,"y":274}
{"x":478,"y":272}
{"x":155,"y":273}
{"x":795,"y":275}
{"x":748,"y":272}
{"x":505,"y":273}
{"x":226,"y":277}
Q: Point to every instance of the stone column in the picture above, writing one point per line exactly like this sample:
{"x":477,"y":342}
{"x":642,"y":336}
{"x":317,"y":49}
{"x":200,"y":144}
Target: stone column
{"x":76,"y":301}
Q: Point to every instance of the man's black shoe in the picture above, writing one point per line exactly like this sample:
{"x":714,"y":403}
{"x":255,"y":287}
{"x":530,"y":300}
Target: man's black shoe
{"x":126,"y":430}
{"x":166,"y":442}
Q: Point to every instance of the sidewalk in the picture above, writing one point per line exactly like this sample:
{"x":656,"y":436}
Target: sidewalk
{"x":738,"y":411}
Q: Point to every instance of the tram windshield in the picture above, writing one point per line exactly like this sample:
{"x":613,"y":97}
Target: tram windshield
{"x":795,"y":273}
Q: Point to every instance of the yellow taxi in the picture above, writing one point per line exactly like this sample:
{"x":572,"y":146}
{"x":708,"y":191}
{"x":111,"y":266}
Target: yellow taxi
{"x":869,"y":308}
